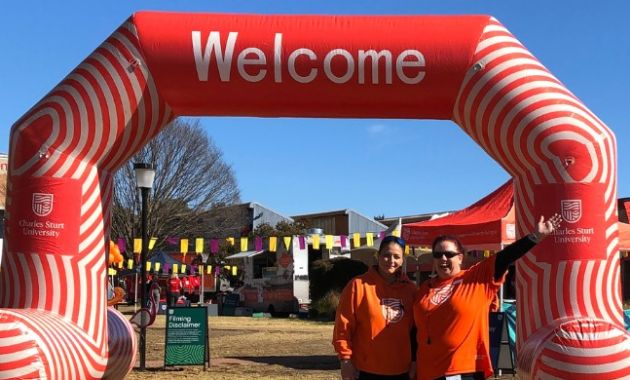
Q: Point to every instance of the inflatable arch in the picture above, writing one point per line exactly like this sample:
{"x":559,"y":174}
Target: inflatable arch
{"x":54,"y":322}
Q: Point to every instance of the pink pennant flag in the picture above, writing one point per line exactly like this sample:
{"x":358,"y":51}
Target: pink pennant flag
{"x":302,"y":242}
{"x":343,"y":239}
{"x":172,"y":240}
{"x":122,"y":245}
{"x":167,"y":268}
{"x":381,"y":235}
{"x":259,"y":243}
{"x":214,"y":246}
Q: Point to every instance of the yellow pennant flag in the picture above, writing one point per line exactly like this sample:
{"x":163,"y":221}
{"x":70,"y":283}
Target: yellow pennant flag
{"x":183,"y":269}
{"x":183,"y":246}
{"x":120,"y":264}
{"x":209,"y":269}
{"x":157,"y":266}
{"x":287,"y":242}
{"x":369,"y":239}
{"x":175,"y":268}
{"x":137,"y":245}
{"x":244,"y":244}
{"x":148,"y":266}
{"x":234,"y":270}
{"x":315,"y":240}
{"x":230,"y":241}
{"x":273,"y":244}
{"x":406,"y":250}
{"x":357,"y":239}
{"x":130,"y":264}
{"x":396,"y":233}
{"x":199,"y":245}
{"x":329,"y":242}
{"x":152,"y":243}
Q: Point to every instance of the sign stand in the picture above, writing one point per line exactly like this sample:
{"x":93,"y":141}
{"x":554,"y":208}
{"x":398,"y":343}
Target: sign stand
{"x":187,"y":337}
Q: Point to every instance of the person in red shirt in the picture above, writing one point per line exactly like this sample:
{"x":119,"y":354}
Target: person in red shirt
{"x":373,"y":327}
{"x":451,"y":310}
{"x":174,"y":289}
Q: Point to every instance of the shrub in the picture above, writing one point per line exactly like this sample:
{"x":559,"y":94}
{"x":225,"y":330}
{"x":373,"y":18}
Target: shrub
{"x":326,"y":306}
{"x":328,"y":276}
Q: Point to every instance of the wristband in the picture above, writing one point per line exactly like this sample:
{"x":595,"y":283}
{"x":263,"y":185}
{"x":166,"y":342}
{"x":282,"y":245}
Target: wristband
{"x":535,"y":237}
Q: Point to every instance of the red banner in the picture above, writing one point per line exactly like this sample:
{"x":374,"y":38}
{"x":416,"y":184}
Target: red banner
{"x":581,"y":235}
{"x":44,"y":215}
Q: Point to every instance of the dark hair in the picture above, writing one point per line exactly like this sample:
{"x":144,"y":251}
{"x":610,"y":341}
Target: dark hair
{"x":452,"y":239}
{"x":387,"y":240}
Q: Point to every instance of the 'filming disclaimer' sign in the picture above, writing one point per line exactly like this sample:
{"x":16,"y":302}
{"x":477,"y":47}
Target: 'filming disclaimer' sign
{"x":186,"y":336}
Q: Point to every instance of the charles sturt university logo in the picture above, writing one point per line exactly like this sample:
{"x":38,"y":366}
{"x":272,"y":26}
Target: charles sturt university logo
{"x":42,"y":204}
{"x":571,"y":210}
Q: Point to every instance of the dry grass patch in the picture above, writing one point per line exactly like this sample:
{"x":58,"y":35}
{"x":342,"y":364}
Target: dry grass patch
{"x":251,"y":348}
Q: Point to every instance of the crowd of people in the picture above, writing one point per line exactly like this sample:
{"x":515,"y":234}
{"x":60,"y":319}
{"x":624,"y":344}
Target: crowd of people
{"x":385,"y":328}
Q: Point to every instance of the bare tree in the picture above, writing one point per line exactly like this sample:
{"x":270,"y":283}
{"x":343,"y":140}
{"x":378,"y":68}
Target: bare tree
{"x":191,"y":178}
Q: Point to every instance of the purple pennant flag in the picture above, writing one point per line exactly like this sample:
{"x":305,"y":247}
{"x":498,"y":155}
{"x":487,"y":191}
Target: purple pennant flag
{"x":343,"y":239}
{"x":214,"y":246}
{"x":172,"y":240}
{"x":302,"y":242}
{"x":121,"y":245}
{"x":193,"y":269}
{"x":259,"y":243}
{"x":167,"y":268}
{"x":381,"y":235}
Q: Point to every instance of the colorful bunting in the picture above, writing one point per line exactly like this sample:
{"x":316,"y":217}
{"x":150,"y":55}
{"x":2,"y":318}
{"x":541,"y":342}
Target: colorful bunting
{"x":329,"y":242}
{"x":198,"y":245}
{"x":357,"y":239}
{"x":369,"y":239}
{"x":273,"y":244}
{"x":122,"y":245}
{"x":244,"y":244}
{"x":258,"y":243}
{"x":287,"y":242}
{"x":315,"y":241}
{"x":214,"y":246}
{"x":183,"y":246}
{"x":302,"y":242}
{"x":152,"y":243}
{"x":137,"y":246}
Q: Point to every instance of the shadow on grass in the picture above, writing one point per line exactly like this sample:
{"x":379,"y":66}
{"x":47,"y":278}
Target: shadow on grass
{"x":314,"y":362}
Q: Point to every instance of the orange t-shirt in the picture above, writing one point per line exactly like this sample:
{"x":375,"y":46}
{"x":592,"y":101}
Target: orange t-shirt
{"x":373,"y":323}
{"x":452,"y":320}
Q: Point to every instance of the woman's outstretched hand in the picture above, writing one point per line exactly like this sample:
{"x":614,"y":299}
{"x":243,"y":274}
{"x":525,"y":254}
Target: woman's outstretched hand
{"x":545,"y":228}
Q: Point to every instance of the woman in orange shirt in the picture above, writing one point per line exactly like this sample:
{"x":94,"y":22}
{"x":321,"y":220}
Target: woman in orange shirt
{"x":451,"y":310}
{"x":373,"y":328}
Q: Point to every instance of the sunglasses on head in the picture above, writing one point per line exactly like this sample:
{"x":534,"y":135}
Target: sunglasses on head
{"x":392,"y":239}
{"x":448,"y":254}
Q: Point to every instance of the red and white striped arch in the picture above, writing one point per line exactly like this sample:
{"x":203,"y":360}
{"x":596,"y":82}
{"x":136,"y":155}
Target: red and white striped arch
{"x":156,"y":66}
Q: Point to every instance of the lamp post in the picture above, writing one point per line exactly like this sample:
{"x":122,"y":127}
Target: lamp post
{"x":144,"y":181}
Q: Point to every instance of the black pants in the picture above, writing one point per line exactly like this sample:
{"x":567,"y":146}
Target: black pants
{"x":172,"y":299}
{"x":467,"y":376}
{"x":373,"y":376}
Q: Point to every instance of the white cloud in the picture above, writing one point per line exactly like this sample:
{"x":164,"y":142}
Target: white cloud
{"x":378,"y":130}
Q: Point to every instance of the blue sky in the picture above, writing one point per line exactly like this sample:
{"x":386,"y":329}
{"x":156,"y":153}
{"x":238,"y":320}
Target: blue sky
{"x":297,"y":166}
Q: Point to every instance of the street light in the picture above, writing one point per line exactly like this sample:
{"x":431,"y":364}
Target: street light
{"x":144,"y":181}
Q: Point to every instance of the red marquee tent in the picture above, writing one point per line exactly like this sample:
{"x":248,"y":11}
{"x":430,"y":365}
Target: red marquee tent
{"x":485,"y":225}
